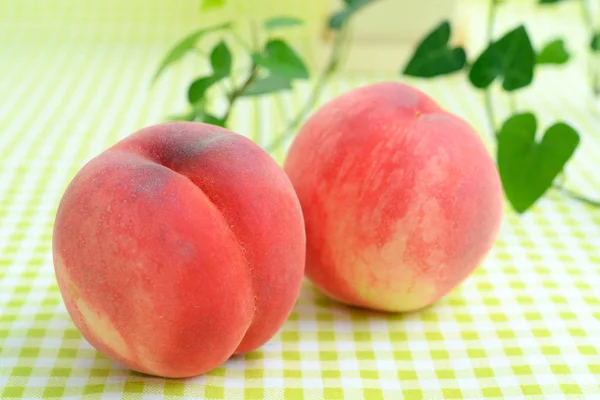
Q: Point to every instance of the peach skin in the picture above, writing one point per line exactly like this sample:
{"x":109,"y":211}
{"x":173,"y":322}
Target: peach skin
{"x":178,"y":247}
{"x":401,"y":199}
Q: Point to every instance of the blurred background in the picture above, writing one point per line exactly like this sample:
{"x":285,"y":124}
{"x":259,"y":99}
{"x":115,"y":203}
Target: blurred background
{"x":77,"y":75}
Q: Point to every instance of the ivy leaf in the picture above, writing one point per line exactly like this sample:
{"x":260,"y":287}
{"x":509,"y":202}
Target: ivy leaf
{"x":266,"y":85}
{"x":280,"y":59}
{"x":211,"y":119}
{"x":527,"y":167}
{"x":595,"y":42}
{"x":340,"y":18}
{"x":220,"y":59}
{"x":208,"y":5}
{"x":282,"y":22}
{"x":184,"y":46}
{"x":512,"y":57}
{"x":198,"y":113}
{"x":433,"y":56}
{"x":553,"y":52}
{"x":199,"y":87}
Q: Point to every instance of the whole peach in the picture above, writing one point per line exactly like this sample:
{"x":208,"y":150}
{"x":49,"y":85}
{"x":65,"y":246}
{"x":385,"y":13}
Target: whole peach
{"x":401,"y":199}
{"x":177,"y":247}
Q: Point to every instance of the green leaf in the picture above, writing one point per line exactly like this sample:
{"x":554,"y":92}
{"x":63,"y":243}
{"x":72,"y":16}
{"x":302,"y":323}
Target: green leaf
{"x":553,"y":52}
{"x":595,"y":42}
{"x":549,"y":1}
{"x":220,"y":59}
{"x":208,"y":5}
{"x":198,"y":113}
{"x":512,"y":58}
{"x":199,"y":87}
{"x":280,"y":59}
{"x":527,"y":167}
{"x":340,"y":18}
{"x":433,"y":56}
{"x":211,"y":119}
{"x":266,"y":85}
{"x":282,"y":22}
{"x":184,"y":46}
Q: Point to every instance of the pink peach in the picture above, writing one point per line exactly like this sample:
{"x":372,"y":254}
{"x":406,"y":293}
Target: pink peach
{"x":179,"y":246}
{"x":401,"y":199}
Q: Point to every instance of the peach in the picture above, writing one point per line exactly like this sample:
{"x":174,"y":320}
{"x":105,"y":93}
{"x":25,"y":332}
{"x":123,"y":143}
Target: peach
{"x":179,"y":246}
{"x":401,"y":199}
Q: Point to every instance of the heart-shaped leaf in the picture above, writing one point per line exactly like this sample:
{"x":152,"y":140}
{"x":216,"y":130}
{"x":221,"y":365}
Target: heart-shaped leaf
{"x":282,"y":22}
{"x":512,"y":58}
{"x":553,"y":52}
{"x":280,"y":59}
{"x":434,"y":57}
{"x":527,"y":167}
{"x":198,"y":113}
{"x":199,"y":87}
{"x":220,"y":59}
{"x":340,"y":18}
{"x":266,"y":85}
{"x":184,"y":46}
{"x":211,"y":119}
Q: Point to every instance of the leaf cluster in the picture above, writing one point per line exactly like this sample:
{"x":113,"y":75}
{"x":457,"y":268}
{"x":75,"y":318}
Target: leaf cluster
{"x":528,"y":164}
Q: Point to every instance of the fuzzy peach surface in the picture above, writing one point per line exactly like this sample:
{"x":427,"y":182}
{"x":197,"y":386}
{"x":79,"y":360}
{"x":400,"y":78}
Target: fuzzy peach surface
{"x":179,"y":246}
{"x":401,"y":199}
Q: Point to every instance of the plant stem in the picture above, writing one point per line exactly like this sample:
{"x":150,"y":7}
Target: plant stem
{"x":281,"y":107}
{"x":589,"y":22}
{"x":241,"y":41}
{"x":237,"y":92}
{"x":330,"y":68}
{"x":587,"y":17}
{"x":489,"y":106}
{"x":512,"y":103}
{"x":576,"y":196}
{"x":491,"y":21}
{"x":201,"y":53}
{"x":254,"y":36}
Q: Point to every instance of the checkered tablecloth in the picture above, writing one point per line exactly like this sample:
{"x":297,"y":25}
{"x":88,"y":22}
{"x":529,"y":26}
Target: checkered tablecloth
{"x":525,"y":324}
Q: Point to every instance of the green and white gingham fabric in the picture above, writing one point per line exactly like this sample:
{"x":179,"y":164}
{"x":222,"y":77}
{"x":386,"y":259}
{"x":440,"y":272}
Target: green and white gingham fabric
{"x":525,"y":324}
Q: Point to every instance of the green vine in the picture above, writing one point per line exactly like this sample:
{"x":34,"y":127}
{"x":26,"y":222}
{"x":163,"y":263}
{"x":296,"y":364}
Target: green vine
{"x":489,"y":106}
{"x":272,"y":69}
{"x":529,"y":163}
{"x":528,"y":167}
{"x":330,"y":68}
